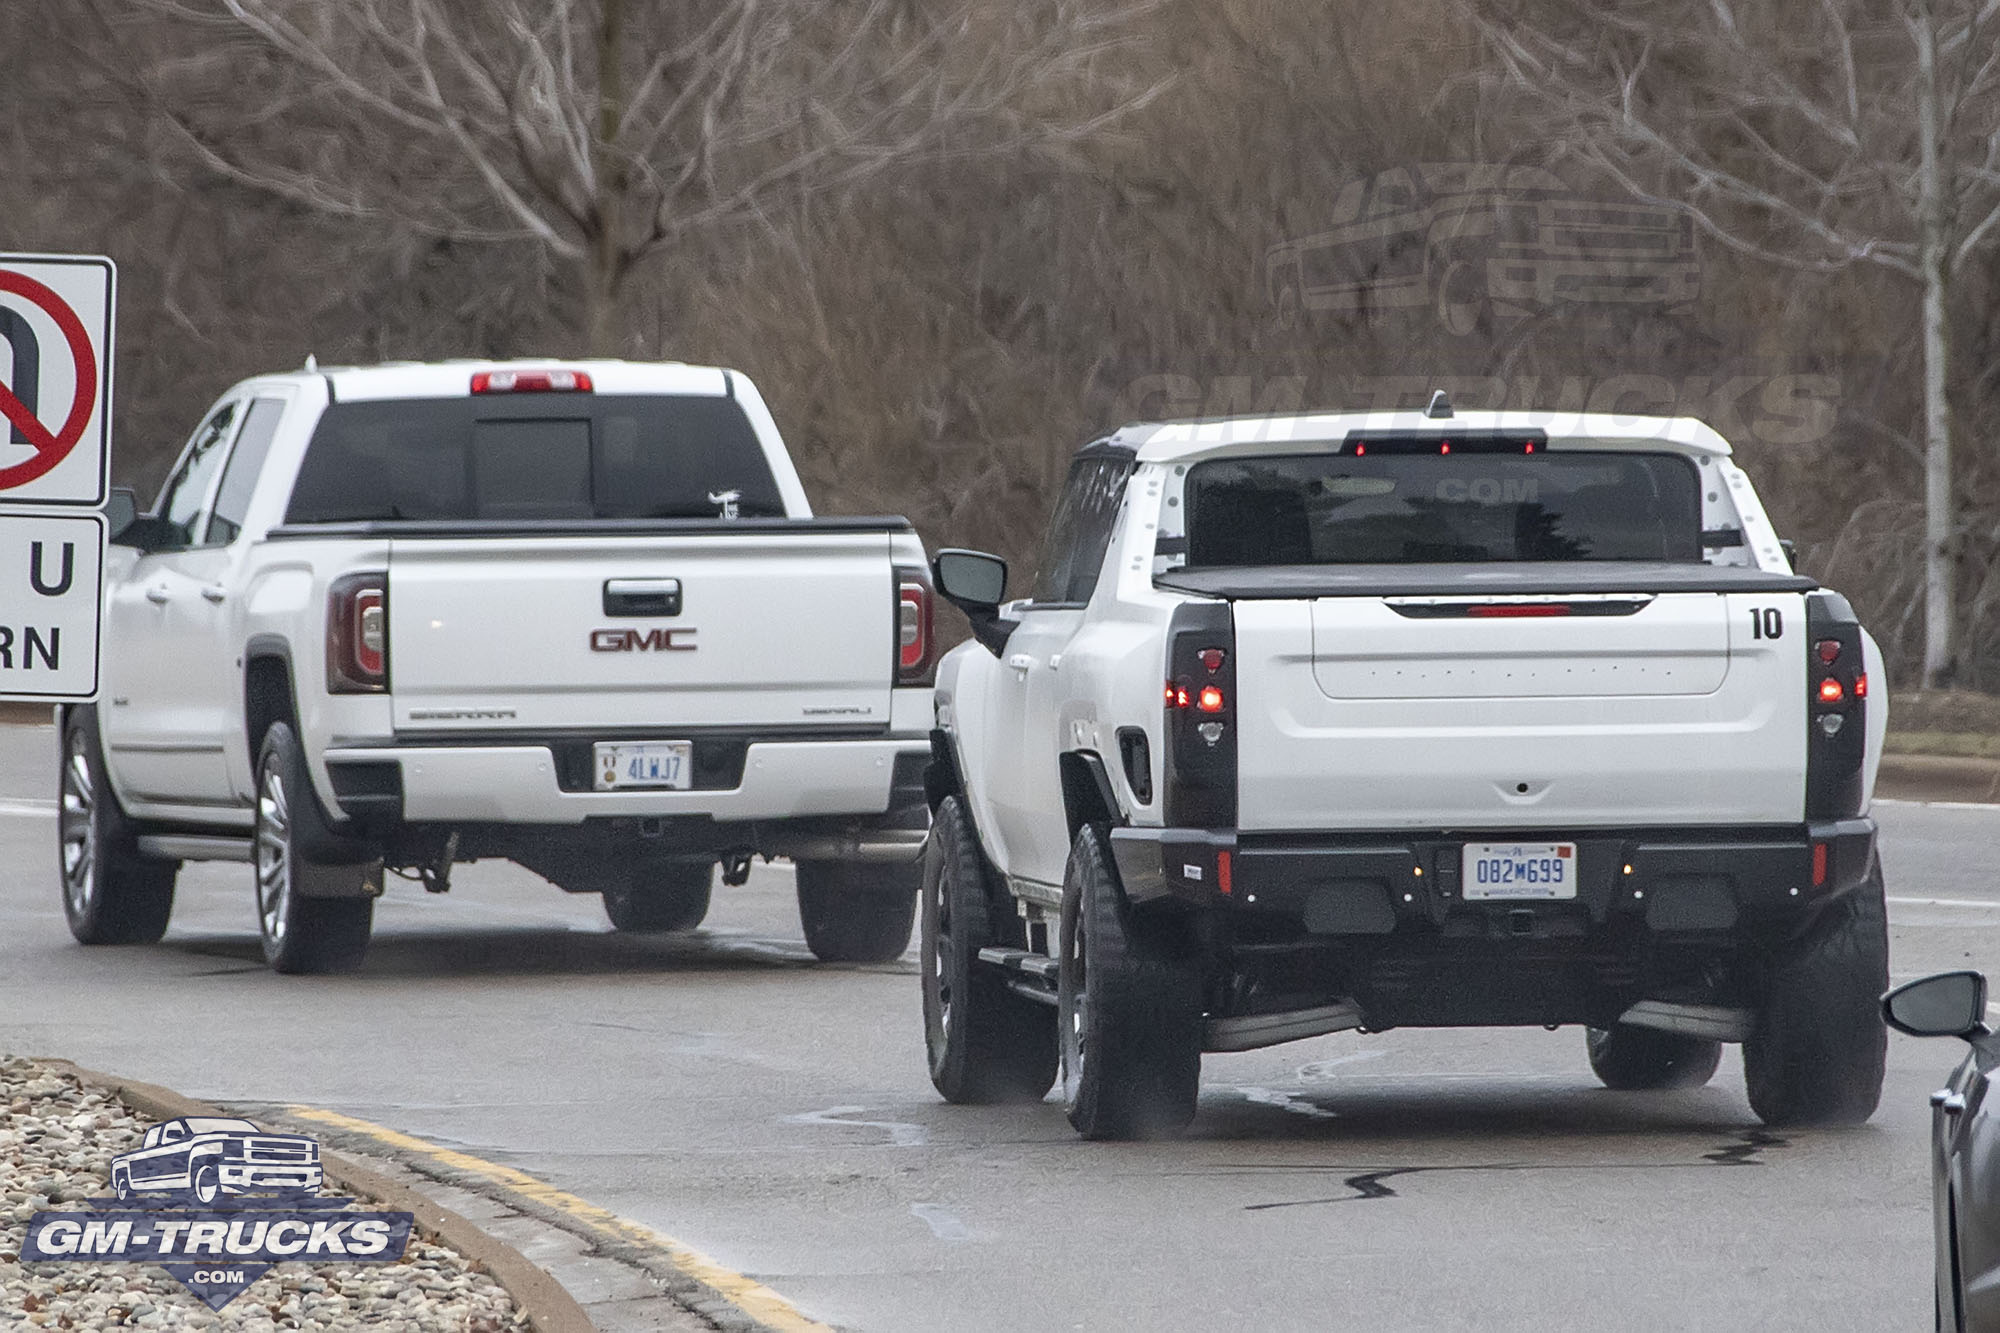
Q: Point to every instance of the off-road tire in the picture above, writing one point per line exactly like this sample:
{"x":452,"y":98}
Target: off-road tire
{"x":111,"y":894}
{"x":1629,"y":1059}
{"x":1129,"y":1012}
{"x":986,"y":1044}
{"x":1816,"y":1053}
{"x":297,"y":863}
{"x":659,"y":896}
{"x":858,"y":913}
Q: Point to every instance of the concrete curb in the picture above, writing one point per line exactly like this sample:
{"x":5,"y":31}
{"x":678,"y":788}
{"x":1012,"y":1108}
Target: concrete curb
{"x":548,"y":1307}
{"x":1929,"y":777}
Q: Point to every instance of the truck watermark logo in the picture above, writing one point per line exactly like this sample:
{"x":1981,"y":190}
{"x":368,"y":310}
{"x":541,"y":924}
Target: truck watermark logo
{"x":730,"y":501}
{"x":1481,"y":245}
{"x":215,"y":1202}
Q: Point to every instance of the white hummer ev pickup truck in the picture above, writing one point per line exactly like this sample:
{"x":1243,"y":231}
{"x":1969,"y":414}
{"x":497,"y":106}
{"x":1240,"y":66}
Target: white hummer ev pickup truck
{"x":579,"y":616}
{"x":1356,"y":722}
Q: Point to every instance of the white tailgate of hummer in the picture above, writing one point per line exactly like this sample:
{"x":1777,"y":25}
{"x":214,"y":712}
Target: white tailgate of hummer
{"x":773,"y":630}
{"x":1354,"y":714}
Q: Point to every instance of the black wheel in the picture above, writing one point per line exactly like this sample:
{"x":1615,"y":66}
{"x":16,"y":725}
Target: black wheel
{"x":111,"y":894}
{"x":855,"y":913}
{"x":314,"y":905}
{"x":1628,"y":1059}
{"x":986,"y":1043}
{"x":207,"y":1185}
{"x":1817,"y":1051}
{"x":1129,"y":1014}
{"x":661,"y":896}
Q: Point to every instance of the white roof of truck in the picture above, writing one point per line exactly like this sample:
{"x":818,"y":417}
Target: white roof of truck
{"x":449,"y":379}
{"x":1172,"y":441}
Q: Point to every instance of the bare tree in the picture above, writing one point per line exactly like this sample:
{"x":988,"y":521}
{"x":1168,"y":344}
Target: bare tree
{"x":1818,"y":136}
{"x":606,"y":131}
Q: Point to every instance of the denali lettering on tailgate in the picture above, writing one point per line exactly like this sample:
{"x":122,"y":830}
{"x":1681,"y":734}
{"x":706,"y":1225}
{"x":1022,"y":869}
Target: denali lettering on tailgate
{"x":642,"y":641}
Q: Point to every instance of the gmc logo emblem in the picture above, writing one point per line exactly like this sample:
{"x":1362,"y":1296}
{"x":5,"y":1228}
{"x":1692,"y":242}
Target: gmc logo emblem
{"x":677,"y":640}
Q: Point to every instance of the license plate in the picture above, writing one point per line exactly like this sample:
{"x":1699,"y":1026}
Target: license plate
{"x":624,"y":765}
{"x":1519,"y":870}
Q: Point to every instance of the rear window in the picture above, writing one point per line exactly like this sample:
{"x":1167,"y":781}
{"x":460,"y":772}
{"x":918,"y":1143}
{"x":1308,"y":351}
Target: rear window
{"x":560,"y":456}
{"x":1409,"y":508}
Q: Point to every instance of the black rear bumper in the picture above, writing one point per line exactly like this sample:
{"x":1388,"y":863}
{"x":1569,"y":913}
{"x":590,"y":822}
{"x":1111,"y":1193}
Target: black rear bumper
{"x":1664,"y":880}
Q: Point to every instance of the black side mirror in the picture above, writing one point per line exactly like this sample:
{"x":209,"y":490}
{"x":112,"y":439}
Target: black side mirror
{"x":976,"y":583}
{"x":1791,"y":550}
{"x":120,"y":508}
{"x":149,"y":535}
{"x":1950,"y":1004}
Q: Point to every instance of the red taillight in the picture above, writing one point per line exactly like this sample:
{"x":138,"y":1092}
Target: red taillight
{"x":1178,"y":696}
{"x":530,"y":381}
{"x":916,"y":664}
{"x":1222,"y":872}
{"x":1827,"y":650}
{"x":1831,"y":691}
{"x":1212,"y":659}
{"x":1210,"y":699}
{"x":1819,"y":865}
{"x":1517,"y":610}
{"x":1861,"y":686}
{"x":357,"y":634}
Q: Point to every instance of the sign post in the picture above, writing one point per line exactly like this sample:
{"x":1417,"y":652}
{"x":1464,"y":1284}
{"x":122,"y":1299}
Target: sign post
{"x":56,"y":317}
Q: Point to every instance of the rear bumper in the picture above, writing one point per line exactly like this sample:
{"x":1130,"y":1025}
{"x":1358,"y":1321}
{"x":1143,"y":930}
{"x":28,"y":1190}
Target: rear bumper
{"x":520,"y":783}
{"x":1674,"y":880}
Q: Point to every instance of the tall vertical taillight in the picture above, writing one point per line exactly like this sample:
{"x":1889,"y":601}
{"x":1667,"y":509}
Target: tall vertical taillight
{"x":357,"y":634}
{"x":916,"y":658}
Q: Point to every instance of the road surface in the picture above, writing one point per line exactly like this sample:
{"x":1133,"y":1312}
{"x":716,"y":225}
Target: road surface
{"x":723,"y":1089}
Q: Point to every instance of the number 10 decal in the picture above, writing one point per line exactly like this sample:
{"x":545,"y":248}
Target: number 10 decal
{"x":1767,"y":622}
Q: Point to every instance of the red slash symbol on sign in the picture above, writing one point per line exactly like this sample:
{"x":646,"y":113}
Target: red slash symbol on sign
{"x":51,"y":447}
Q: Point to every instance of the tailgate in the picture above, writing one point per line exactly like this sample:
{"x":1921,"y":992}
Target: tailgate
{"x":1520,"y":712}
{"x":642,"y":632}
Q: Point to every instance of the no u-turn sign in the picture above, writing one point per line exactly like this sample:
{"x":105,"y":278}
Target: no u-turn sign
{"x":56,"y":314}
{"x":55,"y":378}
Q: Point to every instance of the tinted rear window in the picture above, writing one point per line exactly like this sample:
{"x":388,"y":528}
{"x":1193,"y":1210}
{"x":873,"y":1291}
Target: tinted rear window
{"x":1398,"y":509}
{"x":558,"y":456}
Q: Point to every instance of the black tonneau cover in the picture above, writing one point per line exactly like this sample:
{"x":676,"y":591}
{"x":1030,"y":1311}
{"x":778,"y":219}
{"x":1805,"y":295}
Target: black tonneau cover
{"x":581,"y":527}
{"x":1286,"y":582}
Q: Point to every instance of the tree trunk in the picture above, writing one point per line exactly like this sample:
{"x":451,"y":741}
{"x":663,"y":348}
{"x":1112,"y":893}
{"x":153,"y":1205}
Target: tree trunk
{"x":1940,"y":613}
{"x":604,"y":272}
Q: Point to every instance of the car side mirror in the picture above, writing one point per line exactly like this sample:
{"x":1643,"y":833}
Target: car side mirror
{"x":120,"y":508}
{"x":976,"y":583}
{"x":149,"y":534}
{"x":1791,"y":550}
{"x":1950,"y":1004}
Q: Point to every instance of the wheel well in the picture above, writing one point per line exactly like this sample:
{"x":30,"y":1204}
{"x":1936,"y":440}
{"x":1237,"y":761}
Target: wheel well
{"x":267,"y":698}
{"x":1086,"y":791}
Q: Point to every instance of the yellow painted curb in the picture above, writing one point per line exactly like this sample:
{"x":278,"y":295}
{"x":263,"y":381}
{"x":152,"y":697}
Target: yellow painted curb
{"x":748,"y":1295}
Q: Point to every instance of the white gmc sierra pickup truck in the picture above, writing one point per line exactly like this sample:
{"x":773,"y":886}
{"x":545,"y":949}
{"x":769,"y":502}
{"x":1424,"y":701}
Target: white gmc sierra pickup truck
{"x":579,"y":616}
{"x":1334,"y":722}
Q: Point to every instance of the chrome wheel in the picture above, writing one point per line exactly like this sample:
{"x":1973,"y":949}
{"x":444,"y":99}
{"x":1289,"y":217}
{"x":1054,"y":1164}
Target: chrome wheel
{"x":79,"y":832}
{"x":274,"y":853}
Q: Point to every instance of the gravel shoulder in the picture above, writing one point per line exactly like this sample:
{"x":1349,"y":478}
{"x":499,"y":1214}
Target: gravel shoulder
{"x":57,"y":1137}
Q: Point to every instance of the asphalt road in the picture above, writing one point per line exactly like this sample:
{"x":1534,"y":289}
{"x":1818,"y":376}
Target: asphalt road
{"x":723,"y":1089}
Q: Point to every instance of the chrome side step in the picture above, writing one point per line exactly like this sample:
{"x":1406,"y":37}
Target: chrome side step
{"x":1252,"y":1031}
{"x":194,"y":847}
{"x":1711,"y":1022}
